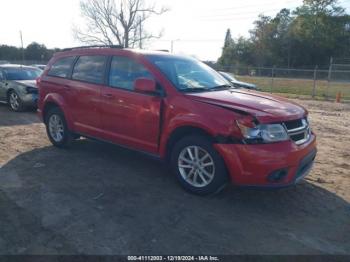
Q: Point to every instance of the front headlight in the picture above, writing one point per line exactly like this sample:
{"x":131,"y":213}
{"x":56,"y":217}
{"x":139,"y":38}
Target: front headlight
{"x":266,"y":133}
{"x":273,"y":133}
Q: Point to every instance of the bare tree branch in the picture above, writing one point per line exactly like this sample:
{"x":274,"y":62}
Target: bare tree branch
{"x":119,"y":22}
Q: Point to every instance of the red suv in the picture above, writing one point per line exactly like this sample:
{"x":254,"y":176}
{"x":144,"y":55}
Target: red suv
{"x":178,"y":109}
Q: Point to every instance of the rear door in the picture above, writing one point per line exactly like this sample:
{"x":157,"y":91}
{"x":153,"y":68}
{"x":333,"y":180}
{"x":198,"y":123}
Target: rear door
{"x":128,"y":117}
{"x":84,"y":91}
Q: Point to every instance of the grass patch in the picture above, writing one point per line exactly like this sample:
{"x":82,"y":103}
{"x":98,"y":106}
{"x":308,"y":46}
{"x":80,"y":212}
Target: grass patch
{"x":299,"y":87}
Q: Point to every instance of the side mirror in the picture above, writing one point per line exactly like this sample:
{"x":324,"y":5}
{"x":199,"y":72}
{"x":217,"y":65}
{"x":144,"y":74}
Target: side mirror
{"x":145,"y":85}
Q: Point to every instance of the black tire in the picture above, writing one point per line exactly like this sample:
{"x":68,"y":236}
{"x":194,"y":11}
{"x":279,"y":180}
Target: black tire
{"x":67,"y":136}
{"x":220,"y":178}
{"x":20,"y":107}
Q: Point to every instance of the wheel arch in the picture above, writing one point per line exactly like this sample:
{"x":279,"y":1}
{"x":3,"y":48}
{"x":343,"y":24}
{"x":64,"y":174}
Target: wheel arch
{"x":181,"y":132}
{"x":48,"y":106}
{"x":8,"y":91}
{"x":55,"y":100}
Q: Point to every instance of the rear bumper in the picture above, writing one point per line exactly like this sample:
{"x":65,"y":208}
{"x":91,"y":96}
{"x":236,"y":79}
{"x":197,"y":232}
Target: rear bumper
{"x":268,"y":165}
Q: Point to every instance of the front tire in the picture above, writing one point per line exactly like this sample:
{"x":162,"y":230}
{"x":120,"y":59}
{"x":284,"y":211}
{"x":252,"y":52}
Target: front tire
{"x":15,"y":101}
{"x":56,"y":128}
{"x":198,"y":166}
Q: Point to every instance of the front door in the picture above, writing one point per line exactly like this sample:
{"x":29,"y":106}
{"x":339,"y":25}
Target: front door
{"x":3,"y":86}
{"x":130,"y":118}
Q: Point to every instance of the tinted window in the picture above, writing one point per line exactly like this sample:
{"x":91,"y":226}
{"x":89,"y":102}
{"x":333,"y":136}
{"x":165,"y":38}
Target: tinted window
{"x":124,"y":71}
{"x":21,"y":73}
{"x":61,"y":68}
{"x":90,"y":69}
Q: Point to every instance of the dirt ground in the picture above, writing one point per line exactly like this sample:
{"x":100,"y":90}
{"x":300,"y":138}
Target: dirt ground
{"x":96,"y":198}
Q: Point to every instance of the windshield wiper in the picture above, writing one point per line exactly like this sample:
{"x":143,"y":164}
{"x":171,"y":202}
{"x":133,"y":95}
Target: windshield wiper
{"x":221,"y":87}
{"x":195,"y":89}
{"x":203,"y":89}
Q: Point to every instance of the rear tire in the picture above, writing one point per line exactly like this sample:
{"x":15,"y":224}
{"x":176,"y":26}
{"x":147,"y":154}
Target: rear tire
{"x":56,"y":128}
{"x":198,"y":166}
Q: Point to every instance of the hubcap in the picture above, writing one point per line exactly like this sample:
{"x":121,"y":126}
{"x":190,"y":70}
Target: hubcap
{"x":56,"y":128}
{"x":14,"y":101}
{"x":196,"y":166}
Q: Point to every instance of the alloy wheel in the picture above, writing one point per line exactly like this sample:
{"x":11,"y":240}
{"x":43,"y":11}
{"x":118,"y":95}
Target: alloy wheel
{"x":14,"y":101}
{"x":196,"y":166}
{"x":56,"y":128}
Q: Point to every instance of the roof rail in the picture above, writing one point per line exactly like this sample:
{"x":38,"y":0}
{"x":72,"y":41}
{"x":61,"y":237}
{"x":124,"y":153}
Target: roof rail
{"x":92,"y":46}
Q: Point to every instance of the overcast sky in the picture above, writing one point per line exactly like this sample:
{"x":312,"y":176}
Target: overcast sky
{"x":199,"y":26}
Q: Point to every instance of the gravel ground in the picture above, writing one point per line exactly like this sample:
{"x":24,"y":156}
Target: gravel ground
{"x":96,"y":198}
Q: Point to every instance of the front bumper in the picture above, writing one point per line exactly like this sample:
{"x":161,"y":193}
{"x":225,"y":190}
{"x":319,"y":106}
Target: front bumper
{"x":254,"y":165}
{"x":29,"y":100}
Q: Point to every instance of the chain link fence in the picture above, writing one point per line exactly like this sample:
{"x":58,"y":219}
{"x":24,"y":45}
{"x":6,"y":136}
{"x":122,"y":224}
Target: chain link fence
{"x":309,"y":83}
{"x":317,"y":83}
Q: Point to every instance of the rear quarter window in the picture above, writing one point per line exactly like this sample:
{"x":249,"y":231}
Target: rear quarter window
{"x":62,"y":67}
{"x":90,"y":69}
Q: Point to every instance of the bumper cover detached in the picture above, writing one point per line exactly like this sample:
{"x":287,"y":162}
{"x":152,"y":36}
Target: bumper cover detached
{"x":268,"y":165}
{"x":30,"y":100}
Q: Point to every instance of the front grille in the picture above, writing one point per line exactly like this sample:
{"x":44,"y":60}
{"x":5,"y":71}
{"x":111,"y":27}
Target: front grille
{"x":298,"y":130}
{"x":293,"y":124}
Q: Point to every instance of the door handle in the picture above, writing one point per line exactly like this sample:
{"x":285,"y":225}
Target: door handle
{"x":66,"y":87}
{"x":109,"y":96}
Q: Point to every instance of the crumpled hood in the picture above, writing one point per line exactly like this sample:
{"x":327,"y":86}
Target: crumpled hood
{"x":265,"y":107}
{"x":31,"y":83}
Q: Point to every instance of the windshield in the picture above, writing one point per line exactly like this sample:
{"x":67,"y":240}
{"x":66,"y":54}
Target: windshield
{"x":188,"y":74}
{"x":21,"y":73}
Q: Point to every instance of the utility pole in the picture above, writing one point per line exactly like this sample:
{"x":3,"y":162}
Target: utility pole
{"x":172,"y":45}
{"x":20,"y":33}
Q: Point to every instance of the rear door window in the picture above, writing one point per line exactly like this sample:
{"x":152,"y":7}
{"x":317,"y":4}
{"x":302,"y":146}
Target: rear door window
{"x":62,"y":67}
{"x":124,"y":71}
{"x":90,"y":69}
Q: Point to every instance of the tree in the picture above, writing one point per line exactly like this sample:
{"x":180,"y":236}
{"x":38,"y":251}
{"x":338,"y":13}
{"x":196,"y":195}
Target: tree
{"x":306,"y":37}
{"x":316,"y":31}
{"x":262,"y":37}
{"x":120,"y":22}
{"x":35,"y":51}
{"x":228,"y":39}
{"x":9,"y":53}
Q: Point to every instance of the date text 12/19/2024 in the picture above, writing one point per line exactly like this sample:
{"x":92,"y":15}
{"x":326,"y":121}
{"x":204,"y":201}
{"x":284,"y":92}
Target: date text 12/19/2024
{"x":173,"y":258}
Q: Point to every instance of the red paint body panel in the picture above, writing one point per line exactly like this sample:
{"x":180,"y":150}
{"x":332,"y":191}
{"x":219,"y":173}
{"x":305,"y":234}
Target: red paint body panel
{"x":265,"y":108}
{"x":146,"y":122}
{"x":131,"y":119}
{"x":251,"y":164}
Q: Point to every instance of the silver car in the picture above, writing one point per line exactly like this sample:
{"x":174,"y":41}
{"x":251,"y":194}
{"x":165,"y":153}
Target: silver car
{"x":230,"y":77}
{"x":18,"y":86}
